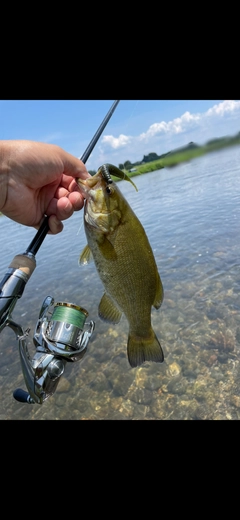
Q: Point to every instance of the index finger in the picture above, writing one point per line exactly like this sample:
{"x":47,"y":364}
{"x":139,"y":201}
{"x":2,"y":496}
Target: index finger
{"x":70,"y":184}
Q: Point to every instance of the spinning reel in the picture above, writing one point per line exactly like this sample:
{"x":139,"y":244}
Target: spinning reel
{"x":60,"y":336}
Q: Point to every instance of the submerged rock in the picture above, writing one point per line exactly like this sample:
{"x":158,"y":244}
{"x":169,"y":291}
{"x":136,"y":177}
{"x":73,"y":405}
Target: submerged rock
{"x":223,"y":341}
{"x":174,"y":369}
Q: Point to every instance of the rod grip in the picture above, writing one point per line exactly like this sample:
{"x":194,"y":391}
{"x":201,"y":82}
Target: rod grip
{"x":24,"y":263}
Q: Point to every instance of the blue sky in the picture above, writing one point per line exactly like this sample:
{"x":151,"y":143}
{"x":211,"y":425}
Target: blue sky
{"x":137,"y":127}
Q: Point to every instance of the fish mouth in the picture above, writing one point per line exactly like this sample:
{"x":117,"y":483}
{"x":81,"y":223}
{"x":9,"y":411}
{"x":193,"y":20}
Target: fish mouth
{"x":86,"y":185}
{"x":95,"y":209}
{"x":97,"y":219}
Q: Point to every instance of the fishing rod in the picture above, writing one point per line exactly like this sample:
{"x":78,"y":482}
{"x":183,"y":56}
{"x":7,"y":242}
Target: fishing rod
{"x":61,"y":333}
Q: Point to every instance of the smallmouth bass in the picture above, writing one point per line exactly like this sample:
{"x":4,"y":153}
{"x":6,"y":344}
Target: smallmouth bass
{"x":125,"y":263}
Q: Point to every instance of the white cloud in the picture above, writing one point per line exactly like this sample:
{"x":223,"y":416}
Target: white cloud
{"x":116,"y":142}
{"x":178,"y":125}
{"x":226,"y":107}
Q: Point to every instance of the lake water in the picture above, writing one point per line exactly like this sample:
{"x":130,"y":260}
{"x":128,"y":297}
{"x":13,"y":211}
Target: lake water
{"x":191,"y":215}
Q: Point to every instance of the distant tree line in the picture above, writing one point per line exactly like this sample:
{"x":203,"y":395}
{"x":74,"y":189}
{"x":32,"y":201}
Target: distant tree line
{"x":128,"y":165}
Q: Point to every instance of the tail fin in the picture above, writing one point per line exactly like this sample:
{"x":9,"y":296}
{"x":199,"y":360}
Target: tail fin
{"x":144,"y":349}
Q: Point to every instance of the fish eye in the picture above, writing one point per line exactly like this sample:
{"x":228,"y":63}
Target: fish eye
{"x":108,"y":190}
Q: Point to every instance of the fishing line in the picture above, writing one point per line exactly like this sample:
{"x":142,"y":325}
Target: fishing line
{"x":80,"y":228}
{"x":131,"y":115}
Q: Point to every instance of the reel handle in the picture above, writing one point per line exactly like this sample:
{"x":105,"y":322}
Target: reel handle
{"x":22,"y":396}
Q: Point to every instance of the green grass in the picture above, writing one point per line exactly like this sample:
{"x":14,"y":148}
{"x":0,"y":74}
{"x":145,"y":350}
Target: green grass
{"x":175,"y":158}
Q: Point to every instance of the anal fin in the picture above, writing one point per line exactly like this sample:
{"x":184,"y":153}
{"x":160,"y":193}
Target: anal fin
{"x":108,"y":311}
{"x":159,"y":294}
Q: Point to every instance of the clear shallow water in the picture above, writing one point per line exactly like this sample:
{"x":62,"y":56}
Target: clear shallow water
{"x":191,"y":214}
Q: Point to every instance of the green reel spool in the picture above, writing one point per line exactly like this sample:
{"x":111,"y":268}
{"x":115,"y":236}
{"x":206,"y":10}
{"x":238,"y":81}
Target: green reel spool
{"x":69,"y":313}
{"x":66,"y":324}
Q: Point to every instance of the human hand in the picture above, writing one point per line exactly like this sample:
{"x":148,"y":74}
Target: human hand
{"x":38,"y":179}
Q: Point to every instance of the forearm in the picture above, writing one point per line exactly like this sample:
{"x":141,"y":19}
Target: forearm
{"x":4,"y":172}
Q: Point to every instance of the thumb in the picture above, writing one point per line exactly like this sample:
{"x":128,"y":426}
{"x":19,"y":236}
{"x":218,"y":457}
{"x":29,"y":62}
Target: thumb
{"x":74,"y":166}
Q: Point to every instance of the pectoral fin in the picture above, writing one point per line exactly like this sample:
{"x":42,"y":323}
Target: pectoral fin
{"x":106,"y":248}
{"x":108,"y":311}
{"x":86,"y":256}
